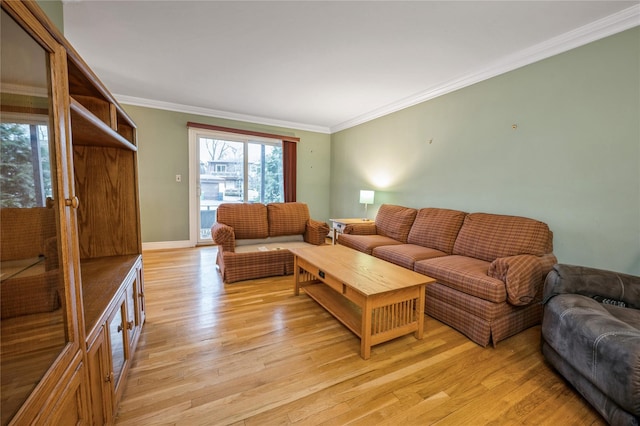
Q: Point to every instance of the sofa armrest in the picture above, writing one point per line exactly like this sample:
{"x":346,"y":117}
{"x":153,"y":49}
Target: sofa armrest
{"x":316,"y":232}
{"x":571,"y":279}
{"x":223,"y":236}
{"x":523,"y":275}
{"x":361,"y":229}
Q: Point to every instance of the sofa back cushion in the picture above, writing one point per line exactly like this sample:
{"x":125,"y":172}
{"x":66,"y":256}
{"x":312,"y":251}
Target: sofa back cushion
{"x":490,"y":236}
{"x":395,"y":221}
{"x":24,"y":232}
{"x":247,"y":220}
{"x":287,"y":218}
{"x":436,"y":228}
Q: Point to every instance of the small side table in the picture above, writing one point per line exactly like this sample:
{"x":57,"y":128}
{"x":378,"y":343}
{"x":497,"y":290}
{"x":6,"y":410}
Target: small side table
{"x":338,"y":226}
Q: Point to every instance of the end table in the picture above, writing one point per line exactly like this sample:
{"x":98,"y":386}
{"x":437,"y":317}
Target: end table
{"x":338,"y":226}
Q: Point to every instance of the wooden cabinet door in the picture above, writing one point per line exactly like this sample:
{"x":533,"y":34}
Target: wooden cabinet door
{"x":133,"y":317}
{"x":100,"y":379}
{"x":134,"y":296}
{"x":108,"y":358}
{"x":141,"y":301}
{"x":119,"y":351}
{"x":70,"y":407}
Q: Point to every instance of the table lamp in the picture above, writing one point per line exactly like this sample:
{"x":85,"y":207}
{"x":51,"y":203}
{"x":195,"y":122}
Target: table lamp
{"x":366,"y":197}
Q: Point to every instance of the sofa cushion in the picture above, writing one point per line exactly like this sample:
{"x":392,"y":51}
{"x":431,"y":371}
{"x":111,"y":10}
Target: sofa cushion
{"x":395,"y":221}
{"x":436,"y":228}
{"x":365,"y":243}
{"x":490,"y":236}
{"x":269,"y":245}
{"x":269,"y":240}
{"x":25,"y":295}
{"x":598,"y":344}
{"x":24,"y":231}
{"x":466,"y":274}
{"x":247,"y":220}
{"x":405,"y":255}
{"x":287,"y":218}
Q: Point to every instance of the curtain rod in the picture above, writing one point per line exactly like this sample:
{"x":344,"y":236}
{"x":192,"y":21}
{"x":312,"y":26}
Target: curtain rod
{"x":242,"y":132}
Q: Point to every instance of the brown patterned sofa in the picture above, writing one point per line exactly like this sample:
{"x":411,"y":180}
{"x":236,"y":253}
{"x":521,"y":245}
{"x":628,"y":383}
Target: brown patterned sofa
{"x":253,"y":239}
{"x":489,"y":268}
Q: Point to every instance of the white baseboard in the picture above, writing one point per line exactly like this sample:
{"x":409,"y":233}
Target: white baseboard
{"x":165,"y":245}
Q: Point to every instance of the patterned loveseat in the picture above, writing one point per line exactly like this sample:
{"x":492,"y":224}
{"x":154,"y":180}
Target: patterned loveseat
{"x":489,"y":268}
{"x":253,"y":239}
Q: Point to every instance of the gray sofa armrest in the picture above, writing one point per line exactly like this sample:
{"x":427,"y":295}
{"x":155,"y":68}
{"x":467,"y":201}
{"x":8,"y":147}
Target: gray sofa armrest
{"x":586,"y":281}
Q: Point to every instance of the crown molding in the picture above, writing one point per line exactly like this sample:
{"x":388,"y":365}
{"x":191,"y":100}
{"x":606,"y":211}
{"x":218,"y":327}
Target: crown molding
{"x":208,"y":112}
{"x":612,"y":24}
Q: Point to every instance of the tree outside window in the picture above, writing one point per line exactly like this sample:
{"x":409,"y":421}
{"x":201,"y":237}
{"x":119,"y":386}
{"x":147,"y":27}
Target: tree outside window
{"x":25,"y":170}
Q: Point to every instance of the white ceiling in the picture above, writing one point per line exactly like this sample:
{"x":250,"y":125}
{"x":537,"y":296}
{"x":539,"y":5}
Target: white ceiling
{"x":321,"y":65}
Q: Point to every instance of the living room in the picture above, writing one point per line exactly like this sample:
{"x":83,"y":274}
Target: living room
{"x":555,"y":138}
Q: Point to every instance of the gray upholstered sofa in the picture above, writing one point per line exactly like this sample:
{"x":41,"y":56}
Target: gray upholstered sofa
{"x":593,"y":342}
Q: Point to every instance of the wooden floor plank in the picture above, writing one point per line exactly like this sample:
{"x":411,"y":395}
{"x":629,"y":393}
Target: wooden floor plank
{"x":252,"y":353}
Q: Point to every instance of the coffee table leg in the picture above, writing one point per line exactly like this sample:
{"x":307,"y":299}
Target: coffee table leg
{"x":296,"y":276}
{"x":420,"y":308}
{"x":365,"y":339}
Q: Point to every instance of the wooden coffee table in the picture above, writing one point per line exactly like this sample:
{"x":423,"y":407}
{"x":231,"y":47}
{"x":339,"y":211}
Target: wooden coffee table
{"x":375,"y":299}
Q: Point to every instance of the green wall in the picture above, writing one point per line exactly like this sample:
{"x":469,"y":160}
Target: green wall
{"x":53,"y":10}
{"x":573,"y":161}
{"x":163,"y":152}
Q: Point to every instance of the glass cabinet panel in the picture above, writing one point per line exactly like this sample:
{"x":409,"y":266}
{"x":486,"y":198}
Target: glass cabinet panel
{"x":118,"y":343}
{"x":33,"y":331}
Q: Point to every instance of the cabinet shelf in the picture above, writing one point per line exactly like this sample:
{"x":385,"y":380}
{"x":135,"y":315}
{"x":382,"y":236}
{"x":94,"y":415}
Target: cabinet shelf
{"x":102,"y":278}
{"x":90,"y":130}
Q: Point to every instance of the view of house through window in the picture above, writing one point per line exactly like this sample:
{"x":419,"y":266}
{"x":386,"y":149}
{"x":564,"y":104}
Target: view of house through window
{"x":236,"y":169}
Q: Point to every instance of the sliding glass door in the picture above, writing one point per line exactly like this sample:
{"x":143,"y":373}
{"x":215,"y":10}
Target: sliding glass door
{"x":264,"y":177}
{"x":220,"y":180}
{"x":233,"y":169}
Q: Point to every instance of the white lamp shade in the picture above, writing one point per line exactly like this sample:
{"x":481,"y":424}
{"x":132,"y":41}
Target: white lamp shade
{"x":366,"y":197}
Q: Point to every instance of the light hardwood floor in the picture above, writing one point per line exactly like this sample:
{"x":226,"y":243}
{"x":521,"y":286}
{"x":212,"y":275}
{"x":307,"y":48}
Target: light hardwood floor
{"x":252,"y":353}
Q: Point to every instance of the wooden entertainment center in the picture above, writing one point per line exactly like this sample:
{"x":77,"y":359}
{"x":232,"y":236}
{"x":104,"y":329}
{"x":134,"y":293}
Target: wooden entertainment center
{"x":77,"y":354}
